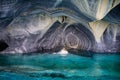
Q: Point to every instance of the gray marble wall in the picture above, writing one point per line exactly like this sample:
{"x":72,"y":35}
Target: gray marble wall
{"x":28,"y":26}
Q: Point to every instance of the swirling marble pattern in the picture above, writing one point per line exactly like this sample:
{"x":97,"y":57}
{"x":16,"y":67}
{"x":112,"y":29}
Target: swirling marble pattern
{"x":28,"y":26}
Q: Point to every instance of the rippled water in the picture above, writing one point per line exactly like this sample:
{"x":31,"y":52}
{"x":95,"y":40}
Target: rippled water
{"x":57,"y":67}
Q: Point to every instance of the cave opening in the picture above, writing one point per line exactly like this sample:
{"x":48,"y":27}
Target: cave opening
{"x":3,"y":45}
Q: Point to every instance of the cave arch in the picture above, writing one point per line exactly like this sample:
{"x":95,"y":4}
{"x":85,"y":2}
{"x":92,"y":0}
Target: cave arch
{"x":83,"y":36}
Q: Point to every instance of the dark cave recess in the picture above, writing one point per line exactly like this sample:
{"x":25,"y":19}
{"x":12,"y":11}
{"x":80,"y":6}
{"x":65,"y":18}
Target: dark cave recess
{"x":3,"y":45}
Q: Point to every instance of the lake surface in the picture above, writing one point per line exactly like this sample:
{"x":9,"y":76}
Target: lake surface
{"x":59,"y":67}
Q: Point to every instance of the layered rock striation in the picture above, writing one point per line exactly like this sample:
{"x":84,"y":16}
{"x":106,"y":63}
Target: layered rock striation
{"x":28,"y":26}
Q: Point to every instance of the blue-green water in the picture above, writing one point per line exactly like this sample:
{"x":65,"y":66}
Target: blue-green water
{"x":57,"y":67}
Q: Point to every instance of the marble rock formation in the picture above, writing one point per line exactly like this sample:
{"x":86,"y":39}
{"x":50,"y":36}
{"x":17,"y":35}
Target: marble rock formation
{"x":28,"y":26}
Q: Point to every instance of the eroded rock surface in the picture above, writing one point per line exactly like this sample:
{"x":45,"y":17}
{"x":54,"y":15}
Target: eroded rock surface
{"x":28,"y":26}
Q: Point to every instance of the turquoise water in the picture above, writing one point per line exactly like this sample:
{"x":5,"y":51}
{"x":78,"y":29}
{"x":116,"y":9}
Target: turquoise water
{"x":57,"y":67}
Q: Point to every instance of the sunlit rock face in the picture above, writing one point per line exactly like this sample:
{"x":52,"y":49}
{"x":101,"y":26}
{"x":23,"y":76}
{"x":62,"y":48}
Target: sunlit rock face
{"x":28,"y":26}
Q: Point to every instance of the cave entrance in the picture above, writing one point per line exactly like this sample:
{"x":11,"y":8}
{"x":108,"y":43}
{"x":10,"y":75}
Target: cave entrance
{"x":3,"y":45}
